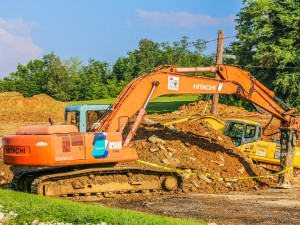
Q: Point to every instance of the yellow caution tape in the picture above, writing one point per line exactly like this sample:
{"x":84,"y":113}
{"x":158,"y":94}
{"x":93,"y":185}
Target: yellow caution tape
{"x":215,"y":177}
{"x":192,"y":118}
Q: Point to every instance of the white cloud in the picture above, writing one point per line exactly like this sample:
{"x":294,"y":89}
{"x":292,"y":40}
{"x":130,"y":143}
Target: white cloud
{"x":182,"y":19}
{"x":16,"y":45}
{"x":18,"y":26}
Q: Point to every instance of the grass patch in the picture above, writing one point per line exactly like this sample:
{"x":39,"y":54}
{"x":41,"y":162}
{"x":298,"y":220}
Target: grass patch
{"x":158,"y":105}
{"x":166,"y":104}
{"x":103,"y":101}
{"x":32,"y":207}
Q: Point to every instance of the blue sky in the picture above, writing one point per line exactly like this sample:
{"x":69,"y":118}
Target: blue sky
{"x":105,"y":30}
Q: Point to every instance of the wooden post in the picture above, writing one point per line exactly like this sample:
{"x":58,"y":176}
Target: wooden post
{"x":215,"y":100}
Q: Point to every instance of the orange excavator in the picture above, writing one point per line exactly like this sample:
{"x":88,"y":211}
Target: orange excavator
{"x":86,"y":164}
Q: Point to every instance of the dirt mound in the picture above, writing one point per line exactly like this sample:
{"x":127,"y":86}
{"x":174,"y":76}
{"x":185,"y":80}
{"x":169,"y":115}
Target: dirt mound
{"x":16,"y":110}
{"x":17,"y":102}
{"x":195,"y":147}
{"x":225,"y":112}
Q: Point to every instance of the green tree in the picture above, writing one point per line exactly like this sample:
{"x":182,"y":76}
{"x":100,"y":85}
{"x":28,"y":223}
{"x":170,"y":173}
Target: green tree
{"x":58,"y":85}
{"x":124,"y":68}
{"x":150,"y":54}
{"x":94,"y":77}
{"x":139,"y":61}
{"x":31,"y":79}
{"x":74,"y":68}
{"x":268,"y":45}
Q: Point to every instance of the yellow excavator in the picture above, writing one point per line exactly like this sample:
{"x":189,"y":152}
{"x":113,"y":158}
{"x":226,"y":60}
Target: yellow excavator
{"x":247,"y":136}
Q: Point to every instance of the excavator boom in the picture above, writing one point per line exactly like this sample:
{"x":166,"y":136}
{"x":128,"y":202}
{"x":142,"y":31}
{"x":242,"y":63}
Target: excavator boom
{"x":136,"y":92}
{"x":171,"y":81}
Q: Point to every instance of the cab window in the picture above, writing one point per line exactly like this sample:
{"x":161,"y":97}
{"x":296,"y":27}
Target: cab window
{"x":72,"y":118}
{"x":92,"y":117}
{"x":235,"y":132}
{"x":250,"y":131}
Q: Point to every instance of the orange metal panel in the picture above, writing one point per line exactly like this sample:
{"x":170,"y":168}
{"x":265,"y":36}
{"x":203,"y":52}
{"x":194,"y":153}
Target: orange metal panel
{"x":37,"y":150}
{"x":69,"y":147}
{"x":64,"y":149}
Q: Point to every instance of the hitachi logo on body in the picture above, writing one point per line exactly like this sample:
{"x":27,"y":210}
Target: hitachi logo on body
{"x":20,"y":150}
{"x":204,"y":87}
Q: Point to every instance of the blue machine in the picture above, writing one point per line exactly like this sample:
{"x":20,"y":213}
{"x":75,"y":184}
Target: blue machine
{"x":83,"y":116}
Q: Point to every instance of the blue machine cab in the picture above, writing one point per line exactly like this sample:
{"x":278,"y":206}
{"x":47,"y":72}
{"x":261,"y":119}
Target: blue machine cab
{"x":84,"y":116}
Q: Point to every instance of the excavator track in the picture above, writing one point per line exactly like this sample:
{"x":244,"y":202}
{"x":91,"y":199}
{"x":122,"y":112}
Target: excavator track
{"x":95,"y":183}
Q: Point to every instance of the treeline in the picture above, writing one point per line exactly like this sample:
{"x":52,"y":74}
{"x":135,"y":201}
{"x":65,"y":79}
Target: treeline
{"x":70,"y":80}
{"x":268,"y":45}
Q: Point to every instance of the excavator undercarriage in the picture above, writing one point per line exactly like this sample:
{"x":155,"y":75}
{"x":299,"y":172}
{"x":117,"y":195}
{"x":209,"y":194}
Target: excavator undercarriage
{"x":91,"y":184}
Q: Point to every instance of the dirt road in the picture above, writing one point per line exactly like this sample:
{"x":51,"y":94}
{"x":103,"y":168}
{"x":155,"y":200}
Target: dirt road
{"x":271,"y":206}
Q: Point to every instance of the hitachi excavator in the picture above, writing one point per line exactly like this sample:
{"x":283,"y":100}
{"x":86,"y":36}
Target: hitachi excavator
{"x":84,"y":164}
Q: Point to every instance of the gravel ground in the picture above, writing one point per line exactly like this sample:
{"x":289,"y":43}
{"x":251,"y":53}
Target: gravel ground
{"x":271,"y":206}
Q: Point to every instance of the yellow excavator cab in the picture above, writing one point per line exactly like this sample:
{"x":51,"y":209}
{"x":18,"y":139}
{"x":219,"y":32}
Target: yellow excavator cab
{"x":239,"y":130}
{"x":247,"y":136}
{"x":243,"y":131}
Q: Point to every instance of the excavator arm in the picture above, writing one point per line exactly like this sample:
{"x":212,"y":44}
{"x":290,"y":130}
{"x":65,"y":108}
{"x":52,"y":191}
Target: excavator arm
{"x":172,"y":80}
{"x":136,"y":94}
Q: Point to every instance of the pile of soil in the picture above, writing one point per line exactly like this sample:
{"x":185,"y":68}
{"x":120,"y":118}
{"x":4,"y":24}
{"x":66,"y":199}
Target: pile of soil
{"x":225,"y":113}
{"x":195,"y":147}
{"x":16,"y":111}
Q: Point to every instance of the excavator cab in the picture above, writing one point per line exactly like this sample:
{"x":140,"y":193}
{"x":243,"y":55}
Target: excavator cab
{"x":246,"y":135}
{"x":243,"y":131}
{"x":84,"y":116}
